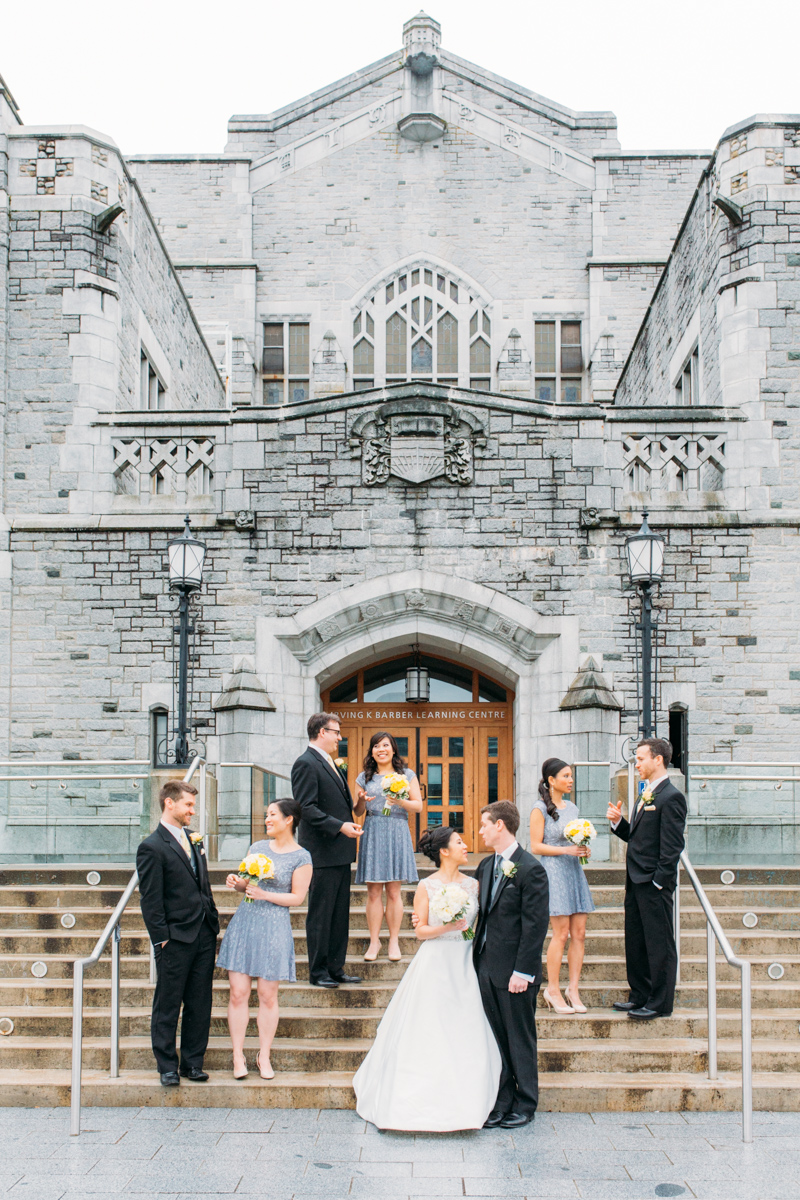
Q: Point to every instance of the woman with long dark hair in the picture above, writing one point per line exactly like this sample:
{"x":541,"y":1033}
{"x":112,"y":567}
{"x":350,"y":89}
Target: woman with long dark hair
{"x":258,"y":942}
{"x":385,"y":852}
{"x":570,"y":898}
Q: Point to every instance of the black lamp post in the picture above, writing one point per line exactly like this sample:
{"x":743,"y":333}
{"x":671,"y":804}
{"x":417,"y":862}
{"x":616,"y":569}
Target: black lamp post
{"x":645,"y":553}
{"x":186,"y":558}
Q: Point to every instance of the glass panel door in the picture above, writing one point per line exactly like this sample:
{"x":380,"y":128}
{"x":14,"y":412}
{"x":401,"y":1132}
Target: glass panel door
{"x":446,"y":772}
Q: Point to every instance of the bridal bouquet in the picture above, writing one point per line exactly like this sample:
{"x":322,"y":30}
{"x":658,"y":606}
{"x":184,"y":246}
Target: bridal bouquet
{"x":450,"y":904}
{"x":255,"y":867}
{"x":580,"y":833}
{"x":394,"y":785}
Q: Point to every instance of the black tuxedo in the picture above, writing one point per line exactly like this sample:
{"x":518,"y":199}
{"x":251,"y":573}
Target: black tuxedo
{"x":512,"y":922}
{"x":326,"y":805}
{"x":655,"y":837}
{"x":178,"y":908}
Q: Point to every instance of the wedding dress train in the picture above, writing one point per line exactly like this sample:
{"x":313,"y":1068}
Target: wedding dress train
{"x":434,"y":1065}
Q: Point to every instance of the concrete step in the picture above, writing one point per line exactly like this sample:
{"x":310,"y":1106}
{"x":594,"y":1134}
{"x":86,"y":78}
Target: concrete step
{"x":346,"y":1054}
{"x":295,"y":1021}
{"x":616,"y":1091}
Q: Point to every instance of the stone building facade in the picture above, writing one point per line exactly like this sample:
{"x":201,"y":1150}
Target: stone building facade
{"x":414,"y":353}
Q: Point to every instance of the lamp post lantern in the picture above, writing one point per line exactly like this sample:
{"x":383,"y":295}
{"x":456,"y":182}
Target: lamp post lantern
{"x":418,"y":683}
{"x":645,"y":555}
{"x":186,"y":558}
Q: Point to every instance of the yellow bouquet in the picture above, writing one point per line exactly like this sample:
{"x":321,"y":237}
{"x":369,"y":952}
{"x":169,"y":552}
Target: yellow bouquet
{"x":394,"y":787}
{"x":255,"y":867}
{"x":580,"y":833}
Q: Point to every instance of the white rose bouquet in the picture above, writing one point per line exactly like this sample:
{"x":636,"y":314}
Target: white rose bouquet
{"x":580,"y":833}
{"x":450,"y":904}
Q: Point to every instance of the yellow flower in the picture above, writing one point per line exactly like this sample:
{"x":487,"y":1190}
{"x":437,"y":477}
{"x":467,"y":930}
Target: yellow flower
{"x":398,"y":785}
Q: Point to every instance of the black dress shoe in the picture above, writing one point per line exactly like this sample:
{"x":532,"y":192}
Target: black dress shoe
{"x":494,"y":1118}
{"x":170,"y":1079}
{"x":346,"y":978}
{"x":644,"y":1014}
{"x":195,"y":1074}
{"x":514,"y":1120}
{"x":624,"y":1005}
{"x":324,"y":981}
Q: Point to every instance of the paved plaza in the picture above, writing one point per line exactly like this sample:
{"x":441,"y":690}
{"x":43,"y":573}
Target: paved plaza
{"x":305,"y":1154}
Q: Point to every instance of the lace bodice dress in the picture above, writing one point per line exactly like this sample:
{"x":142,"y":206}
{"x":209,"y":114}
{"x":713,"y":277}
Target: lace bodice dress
{"x":407,"y":1080}
{"x":433,"y":887}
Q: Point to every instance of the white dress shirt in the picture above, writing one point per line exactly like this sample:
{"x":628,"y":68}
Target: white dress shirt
{"x":324,"y":755}
{"x":504,"y":856}
{"x":180,"y":837}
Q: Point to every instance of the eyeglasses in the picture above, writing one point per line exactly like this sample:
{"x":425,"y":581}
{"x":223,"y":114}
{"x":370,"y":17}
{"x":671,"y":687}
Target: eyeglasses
{"x":328,"y":729}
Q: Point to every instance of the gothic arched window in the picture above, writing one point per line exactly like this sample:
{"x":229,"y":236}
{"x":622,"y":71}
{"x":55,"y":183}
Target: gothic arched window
{"x":422,"y":324}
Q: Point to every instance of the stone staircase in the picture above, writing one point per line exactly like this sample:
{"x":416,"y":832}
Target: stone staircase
{"x":587,"y":1063}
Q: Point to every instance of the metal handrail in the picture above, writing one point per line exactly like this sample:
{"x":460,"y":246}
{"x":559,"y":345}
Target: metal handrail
{"x":78,"y":968}
{"x":715,"y":933}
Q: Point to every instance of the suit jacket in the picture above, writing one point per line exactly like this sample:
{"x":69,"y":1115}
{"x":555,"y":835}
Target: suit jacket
{"x":655,"y":837}
{"x":175,"y":901}
{"x":326,"y":804}
{"x":516,"y":919}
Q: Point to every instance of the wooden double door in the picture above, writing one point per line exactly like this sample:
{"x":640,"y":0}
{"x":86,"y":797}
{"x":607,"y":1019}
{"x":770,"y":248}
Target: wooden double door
{"x":460,"y":767}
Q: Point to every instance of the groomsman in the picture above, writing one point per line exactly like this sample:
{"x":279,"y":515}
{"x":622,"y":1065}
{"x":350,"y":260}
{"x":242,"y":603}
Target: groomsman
{"x":655,"y":837}
{"x":183,"y":923}
{"x":329,"y":833}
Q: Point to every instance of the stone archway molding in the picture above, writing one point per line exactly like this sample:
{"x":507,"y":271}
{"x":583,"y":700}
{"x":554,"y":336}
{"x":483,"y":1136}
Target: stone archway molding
{"x":443,"y":611}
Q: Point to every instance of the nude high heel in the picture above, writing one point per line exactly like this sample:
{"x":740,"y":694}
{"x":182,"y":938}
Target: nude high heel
{"x":261,"y":1070}
{"x":578,"y":1008}
{"x":556,"y":1007}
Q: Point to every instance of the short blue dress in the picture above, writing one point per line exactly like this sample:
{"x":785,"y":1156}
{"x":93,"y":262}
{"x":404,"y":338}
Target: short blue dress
{"x":258,"y":941}
{"x":569,"y":891}
{"x":385,"y":851}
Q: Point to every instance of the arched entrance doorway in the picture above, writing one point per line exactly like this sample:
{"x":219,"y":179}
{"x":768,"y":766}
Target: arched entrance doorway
{"x":460,"y":742}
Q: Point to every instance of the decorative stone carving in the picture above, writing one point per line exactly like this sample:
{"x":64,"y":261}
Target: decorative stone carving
{"x":677,"y":463}
{"x":590,"y":689}
{"x":167,"y":466}
{"x":328,"y":629}
{"x":416,"y":440}
{"x":506,"y":629}
{"x":245,"y":520}
{"x":416,"y":600}
{"x":330,"y":368}
{"x":464,"y":611}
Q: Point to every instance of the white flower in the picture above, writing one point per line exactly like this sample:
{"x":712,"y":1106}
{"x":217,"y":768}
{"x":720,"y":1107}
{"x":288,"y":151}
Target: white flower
{"x":509,"y":868}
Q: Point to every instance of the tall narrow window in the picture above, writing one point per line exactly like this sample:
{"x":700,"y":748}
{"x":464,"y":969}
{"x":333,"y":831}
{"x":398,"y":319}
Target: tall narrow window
{"x":153,"y":392}
{"x":396,"y":343}
{"x":687,"y":385}
{"x":285,"y":362}
{"x":559,"y":361}
{"x":679,"y":738}
{"x":480,"y":363}
{"x":447,"y":332}
{"x":159,"y":736}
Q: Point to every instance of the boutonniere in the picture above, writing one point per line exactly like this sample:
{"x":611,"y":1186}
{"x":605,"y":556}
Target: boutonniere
{"x":646,"y":796}
{"x":341,"y":765}
{"x":197,"y":840}
{"x":509,"y":869}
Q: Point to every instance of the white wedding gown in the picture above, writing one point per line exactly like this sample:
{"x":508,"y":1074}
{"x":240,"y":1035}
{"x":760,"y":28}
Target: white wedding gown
{"x":435,"y":1065}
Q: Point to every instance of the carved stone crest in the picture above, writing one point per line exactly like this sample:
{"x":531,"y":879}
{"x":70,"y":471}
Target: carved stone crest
{"x":417,"y":440}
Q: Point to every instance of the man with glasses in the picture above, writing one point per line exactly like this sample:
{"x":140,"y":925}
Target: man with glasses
{"x":329,"y":833}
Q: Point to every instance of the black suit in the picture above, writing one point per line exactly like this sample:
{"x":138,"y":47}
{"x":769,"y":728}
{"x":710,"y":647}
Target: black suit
{"x":509,"y":935}
{"x":326,"y":805}
{"x":178,"y":908}
{"x":655,"y":837}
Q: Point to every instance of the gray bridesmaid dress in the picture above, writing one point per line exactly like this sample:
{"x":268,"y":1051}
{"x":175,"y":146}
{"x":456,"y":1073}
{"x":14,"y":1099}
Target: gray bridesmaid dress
{"x":385,"y":851}
{"x":569,"y":891}
{"x":258,"y":941}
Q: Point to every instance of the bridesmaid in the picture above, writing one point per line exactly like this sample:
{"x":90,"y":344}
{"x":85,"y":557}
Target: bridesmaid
{"x":258,"y":942}
{"x":570,"y":898}
{"x":386,"y":852}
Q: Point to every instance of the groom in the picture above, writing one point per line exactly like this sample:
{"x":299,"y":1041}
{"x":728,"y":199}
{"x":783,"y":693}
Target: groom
{"x":509,"y":935}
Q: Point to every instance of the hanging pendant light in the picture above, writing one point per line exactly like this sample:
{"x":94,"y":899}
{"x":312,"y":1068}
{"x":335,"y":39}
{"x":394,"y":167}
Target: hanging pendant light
{"x":418,"y":683}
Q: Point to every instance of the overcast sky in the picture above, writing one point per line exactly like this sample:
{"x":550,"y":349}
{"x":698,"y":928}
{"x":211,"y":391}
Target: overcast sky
{"x":165,"y":75}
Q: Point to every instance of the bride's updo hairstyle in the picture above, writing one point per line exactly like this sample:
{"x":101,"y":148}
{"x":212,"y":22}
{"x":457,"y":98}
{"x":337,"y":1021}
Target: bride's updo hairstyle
{"x":434,"y":841}
{"x":550,"y":769}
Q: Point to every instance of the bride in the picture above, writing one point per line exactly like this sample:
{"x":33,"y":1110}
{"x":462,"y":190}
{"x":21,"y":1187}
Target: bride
{"x":435,"y":1020}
